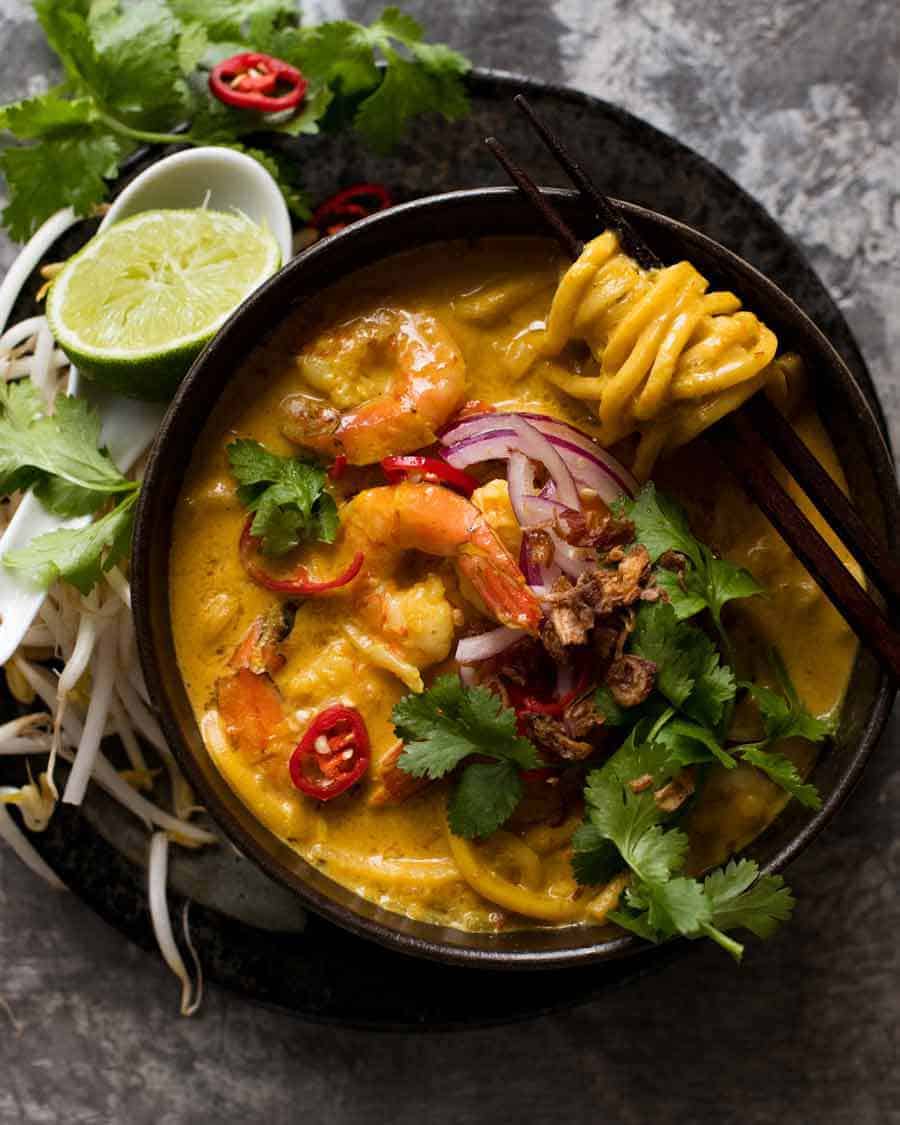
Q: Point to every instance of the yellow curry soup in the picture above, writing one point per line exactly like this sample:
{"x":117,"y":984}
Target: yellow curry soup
{"x":491,"y":312}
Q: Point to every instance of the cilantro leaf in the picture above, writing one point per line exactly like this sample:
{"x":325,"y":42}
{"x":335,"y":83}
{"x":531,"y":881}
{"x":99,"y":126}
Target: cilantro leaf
{"x":689,"y":671}
{"x":449,"y":723}
{"x":739,"y":898}
{"x":138,"y":39}
{"x":338,"y":53}
{"x":658,"y":636}
{"x":227,"y":20}
{"x":595,"y":858}
{"x":627,"y":827}
{"x":486,"y":797}
{"x":714,"y":685}
{"x":287,"y":495}
{"x":69,"y":171}
{"x":426,"y":78}
{"x":613,"y":714}
{"x":78,"y":555}
{"x":64,"y":445}
{"x":726,"y":582}
{"x":409,"y":88}
{"x":707,"y":582}
{"x":65,"y":499}
{"x":685,"y":592}
{"x":678,"y":906}
{"x":136,"y":71}
{"x":784,"y":716}
{"x":46,"y":114}
{"x":661,"y":525}
{"x":631,"y":820}
{"x":783,"y":772}
{"x":692,"y":744}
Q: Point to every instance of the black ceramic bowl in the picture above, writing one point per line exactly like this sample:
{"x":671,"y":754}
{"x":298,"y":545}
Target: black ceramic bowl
{"x":496,"y":211}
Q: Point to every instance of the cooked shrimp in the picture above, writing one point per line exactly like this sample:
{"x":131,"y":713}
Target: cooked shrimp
{"x":249,"y":703}
{"x":426,"y":379}
{"x":386,"y":522}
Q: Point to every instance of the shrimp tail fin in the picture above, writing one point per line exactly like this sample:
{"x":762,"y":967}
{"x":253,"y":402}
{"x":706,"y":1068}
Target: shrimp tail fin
{"x":250,"y":708}
{"x":504,"y":592}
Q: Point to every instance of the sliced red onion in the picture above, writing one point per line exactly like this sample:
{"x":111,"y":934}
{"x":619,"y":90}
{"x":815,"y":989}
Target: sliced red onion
{"x":490,"y":437}
{"x":555,"y":429}
{"x":531,"y":508}
{"x":468,"y":675}
{"x":472,"y":650}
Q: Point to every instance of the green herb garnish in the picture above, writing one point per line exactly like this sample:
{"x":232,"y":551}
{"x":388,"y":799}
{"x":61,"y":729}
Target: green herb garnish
{"x":136,"y":73}
{"x":624,"y":827}
{"x":59,"y":457}
{"x":449,"y":723}
{"x":287,"y":495}
{"x":707,"y":582}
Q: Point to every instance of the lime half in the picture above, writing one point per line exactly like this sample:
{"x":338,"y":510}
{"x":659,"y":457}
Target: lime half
{"x":134,"y":307}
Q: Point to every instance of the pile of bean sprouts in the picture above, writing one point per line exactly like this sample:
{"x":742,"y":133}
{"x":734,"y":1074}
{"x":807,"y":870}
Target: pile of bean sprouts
{"x":77,"y":674}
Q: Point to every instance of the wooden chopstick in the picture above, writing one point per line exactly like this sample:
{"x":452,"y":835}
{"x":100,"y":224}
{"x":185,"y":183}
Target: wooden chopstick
{"x":604,"y":208}
{"x":741,"y":448}
{"x":564,"y":236}
{"x":793,"y":453}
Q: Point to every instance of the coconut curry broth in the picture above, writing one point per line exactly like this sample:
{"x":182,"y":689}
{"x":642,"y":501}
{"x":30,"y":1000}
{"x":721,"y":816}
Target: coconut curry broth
{"x":489,"y":295}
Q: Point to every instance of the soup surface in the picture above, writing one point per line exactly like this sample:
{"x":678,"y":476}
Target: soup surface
{"x":492,"y":297}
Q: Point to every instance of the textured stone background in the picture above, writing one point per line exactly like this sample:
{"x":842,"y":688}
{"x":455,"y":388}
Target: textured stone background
{"x":799,"y":102}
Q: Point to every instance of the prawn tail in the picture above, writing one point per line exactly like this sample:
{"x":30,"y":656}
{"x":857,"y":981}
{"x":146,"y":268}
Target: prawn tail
{"x":259,"y":649}
{"x":393,"y":785}
{"x":504,"y":591}
{"x":250,"y":707}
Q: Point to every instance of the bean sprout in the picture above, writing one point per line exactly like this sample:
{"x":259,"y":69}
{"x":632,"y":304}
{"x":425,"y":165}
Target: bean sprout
{"x":157,"y":869}
{"x":100,"y":689}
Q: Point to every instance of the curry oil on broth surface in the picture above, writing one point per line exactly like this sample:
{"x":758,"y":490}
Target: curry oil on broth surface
{"x":399,"y":856}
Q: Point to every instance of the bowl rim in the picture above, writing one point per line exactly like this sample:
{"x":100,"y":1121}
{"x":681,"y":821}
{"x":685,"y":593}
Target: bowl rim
{"x":147,"y":527}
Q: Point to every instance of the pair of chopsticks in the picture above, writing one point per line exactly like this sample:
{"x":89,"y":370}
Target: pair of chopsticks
{"x":737,"y":438}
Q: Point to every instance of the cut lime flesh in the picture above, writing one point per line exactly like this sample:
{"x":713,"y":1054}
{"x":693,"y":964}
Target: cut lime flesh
{"x":135,"y":306}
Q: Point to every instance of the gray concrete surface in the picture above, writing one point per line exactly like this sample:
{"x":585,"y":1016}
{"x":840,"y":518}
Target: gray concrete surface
{"x":798,"y":100}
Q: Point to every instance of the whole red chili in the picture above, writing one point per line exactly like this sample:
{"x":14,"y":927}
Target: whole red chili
{"x":431,"y":469}
{"x":350,"y":204}
{"x":332,"y":755}
{"x":252,"y":81}
{"x":297,"y":583}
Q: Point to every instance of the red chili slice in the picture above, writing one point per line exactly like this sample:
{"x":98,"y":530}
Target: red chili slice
{"x":350,"y":204}
{"x":299,"y":582}
{"x":332,"y":755}
{"x":397,"y":469}
{"x":338,"y":465}
{"x":531,"y":704}
{"x":251,"y":81}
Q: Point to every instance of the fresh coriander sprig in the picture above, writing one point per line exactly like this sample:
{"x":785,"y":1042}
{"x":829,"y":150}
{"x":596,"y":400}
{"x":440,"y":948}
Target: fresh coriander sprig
{"x":707,"y":582}
{"x":136,"y":74}
{"x":450,"y":723}
{"x":79,"y":555}
{"x":59,"y":454}
{"x":286,"y":494}
{"x":59,"y":457}
{"x":628,"y":828}
{"x":784,"y":716}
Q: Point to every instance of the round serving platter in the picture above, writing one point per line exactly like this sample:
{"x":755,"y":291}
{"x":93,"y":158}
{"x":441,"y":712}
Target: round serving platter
{"x":251,"y":934}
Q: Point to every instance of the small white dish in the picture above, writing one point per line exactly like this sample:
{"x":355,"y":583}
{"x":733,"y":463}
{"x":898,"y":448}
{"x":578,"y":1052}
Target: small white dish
{"x":218,"y":178}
